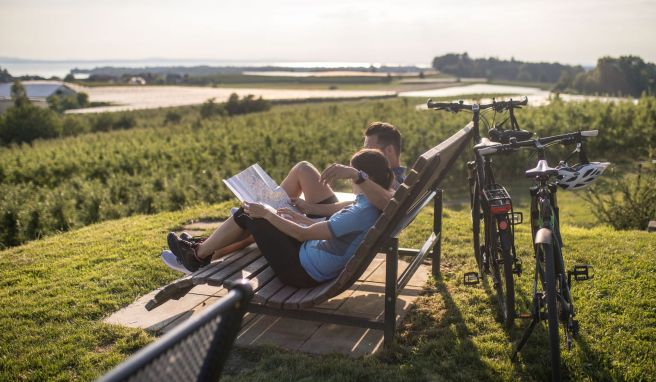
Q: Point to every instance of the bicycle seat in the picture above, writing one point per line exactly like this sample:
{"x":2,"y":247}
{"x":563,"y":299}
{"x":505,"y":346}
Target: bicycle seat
{"x":542,"y":169}
{"x":485,"y":143}
{"x":504,"y":136}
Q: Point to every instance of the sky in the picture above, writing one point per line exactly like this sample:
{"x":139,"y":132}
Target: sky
{"x":404,"y":32}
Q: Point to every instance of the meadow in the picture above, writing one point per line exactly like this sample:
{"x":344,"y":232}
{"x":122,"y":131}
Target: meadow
{"x":118,"y":193}
{"x":54,"y":293}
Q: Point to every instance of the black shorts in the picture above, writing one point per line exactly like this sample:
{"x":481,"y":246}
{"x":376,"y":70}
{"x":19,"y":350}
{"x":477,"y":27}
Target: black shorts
{"x":329,"y":200}
{"x":280,"y":250}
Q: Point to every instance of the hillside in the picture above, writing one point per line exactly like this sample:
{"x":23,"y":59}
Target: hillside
{"x":55,"y":291}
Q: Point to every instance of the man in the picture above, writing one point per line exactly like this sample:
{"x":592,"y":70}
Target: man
{"x":379,"y":135}
{"x":319,"y":198}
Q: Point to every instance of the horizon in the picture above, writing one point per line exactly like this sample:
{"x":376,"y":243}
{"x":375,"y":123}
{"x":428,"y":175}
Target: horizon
{"x":275,"y":61}
{"x":376,"y":32}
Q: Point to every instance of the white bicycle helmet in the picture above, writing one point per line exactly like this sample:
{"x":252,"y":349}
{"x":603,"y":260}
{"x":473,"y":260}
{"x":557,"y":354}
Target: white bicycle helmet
{"x":580,"y":175}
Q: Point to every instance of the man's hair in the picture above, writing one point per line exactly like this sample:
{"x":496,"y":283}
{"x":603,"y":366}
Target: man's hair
{"x":374,"y":163}
{"x":386,"y":133}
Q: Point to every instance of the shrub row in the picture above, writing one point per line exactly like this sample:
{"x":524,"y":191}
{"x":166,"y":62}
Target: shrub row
{"x":173,"y":159}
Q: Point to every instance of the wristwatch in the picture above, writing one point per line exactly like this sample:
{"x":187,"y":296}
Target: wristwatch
{"x":362,"y":176}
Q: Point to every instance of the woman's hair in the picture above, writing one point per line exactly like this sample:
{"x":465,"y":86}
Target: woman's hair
{"x":374,"y":163}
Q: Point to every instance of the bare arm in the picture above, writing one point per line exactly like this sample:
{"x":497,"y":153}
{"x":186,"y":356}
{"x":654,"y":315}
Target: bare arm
{"x":317,"y":231}
{"x":377,"y":195}
{"x":321,"y":209}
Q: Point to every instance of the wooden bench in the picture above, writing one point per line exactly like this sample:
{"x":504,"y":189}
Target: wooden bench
{"x":194,"y":351}
{"x":275,"y":298}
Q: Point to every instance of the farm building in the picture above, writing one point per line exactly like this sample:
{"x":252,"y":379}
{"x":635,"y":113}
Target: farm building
{"x":37,"y":91}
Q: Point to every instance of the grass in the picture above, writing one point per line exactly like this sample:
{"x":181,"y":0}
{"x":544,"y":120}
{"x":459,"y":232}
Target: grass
{"x":54,"y":293}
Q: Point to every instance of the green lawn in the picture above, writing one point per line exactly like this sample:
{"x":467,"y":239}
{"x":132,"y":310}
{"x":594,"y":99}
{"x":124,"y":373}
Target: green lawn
{"x":54,"y":293}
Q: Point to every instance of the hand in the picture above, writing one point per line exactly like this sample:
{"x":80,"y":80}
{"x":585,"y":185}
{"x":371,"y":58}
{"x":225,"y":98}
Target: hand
{"x":338,"y":171}
{"x":290,"y":214}
{"x":301,"y":204}
{"x":257,"y":210}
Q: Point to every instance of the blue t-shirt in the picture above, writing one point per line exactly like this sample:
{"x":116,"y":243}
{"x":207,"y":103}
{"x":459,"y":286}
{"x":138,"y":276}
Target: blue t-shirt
{"x":324,"y":259}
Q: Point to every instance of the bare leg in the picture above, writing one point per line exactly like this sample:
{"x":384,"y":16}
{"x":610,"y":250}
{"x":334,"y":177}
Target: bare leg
{"x":305,"y":178}
{"x":302,"y":178}
{"x":227,"y":233}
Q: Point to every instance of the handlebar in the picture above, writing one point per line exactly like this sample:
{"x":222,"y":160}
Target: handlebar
{"x":455,"y":107}
{"x":537,"y":143}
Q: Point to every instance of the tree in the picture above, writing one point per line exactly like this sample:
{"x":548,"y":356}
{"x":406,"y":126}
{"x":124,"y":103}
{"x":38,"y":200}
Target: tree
{"x":26,"y":122}
{"x":19,"y":94}
{"x":5,"y":76}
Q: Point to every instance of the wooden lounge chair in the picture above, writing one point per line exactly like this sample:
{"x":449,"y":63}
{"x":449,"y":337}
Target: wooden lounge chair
{"x":194,"y":351}
{"x":275,"y":298}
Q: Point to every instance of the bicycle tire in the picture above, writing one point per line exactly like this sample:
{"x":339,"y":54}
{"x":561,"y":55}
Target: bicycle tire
{"x":507,"y":297}
{"x":552,"y":308}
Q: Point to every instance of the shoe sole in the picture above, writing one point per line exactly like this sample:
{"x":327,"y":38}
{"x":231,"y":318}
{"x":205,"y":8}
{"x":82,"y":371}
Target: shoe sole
{"x":172,"y":262}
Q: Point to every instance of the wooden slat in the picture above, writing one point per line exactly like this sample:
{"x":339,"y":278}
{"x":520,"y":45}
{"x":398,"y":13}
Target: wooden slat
{"x":216,"y":266}
{"x":262,"y":278}
{"x":218,"y":277}
{"x":250,"y":270}
{"x":298,"y":296}
{"x":278,"y":299}
{"x":419,"y":164}
{"x":273,"y":286}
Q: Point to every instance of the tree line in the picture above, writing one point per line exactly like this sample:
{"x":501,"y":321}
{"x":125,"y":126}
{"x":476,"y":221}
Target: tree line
{"x":461,"y":65}
{"x":623,"y":76}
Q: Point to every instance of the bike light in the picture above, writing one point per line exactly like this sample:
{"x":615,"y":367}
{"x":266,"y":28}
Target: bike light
{"x":503,"y":225}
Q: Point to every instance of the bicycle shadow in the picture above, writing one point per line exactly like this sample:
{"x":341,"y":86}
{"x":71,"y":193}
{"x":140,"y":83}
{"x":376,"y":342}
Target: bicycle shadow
{"x":533,"y":359}
{"x":439,"y":328}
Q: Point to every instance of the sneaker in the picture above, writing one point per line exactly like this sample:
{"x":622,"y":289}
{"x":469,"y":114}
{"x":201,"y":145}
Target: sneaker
{"x":186,"y":252}
{"x":186,"y":236}
{"x":172,"y":262}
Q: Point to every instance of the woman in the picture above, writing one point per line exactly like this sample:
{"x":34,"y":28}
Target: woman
{"x":301,"y":252}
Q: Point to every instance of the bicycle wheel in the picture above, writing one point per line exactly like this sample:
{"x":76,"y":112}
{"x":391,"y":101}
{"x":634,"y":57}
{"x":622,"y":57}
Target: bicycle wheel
{"x":506,"y":288}
{"x":546,"y":253}
{"x":476,"y":226}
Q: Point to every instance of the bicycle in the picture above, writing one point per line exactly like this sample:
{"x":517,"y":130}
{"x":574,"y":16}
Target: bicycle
{"x":553,"y":301}
{"x":491,"y":204}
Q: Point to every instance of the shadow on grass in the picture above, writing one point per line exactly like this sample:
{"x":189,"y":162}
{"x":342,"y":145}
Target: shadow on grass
{"x":436,"y":339}
{"x":533,"y":360}
{"x":594,"y":365}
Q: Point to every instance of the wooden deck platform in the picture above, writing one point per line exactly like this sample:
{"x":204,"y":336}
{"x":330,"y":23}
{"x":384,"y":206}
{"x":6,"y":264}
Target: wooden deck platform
{"x":364,"y":298}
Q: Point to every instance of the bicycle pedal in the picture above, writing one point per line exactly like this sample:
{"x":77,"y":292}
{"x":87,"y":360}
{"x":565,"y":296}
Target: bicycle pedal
{"x":517,"y":268}
{"x":581,"y":272}
{"x":471,"y":278}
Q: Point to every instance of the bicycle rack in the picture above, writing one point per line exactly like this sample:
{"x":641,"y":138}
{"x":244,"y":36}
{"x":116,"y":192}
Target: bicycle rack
{"x":497,"y":199}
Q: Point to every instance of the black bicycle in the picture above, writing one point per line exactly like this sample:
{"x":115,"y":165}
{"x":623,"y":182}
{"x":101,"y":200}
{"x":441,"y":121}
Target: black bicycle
{"x":552,"y":300}
{"x":490,"y":203}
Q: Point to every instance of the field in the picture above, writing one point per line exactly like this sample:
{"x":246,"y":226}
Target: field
{"x":114,"y":192}
{"x":159,"y":165}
